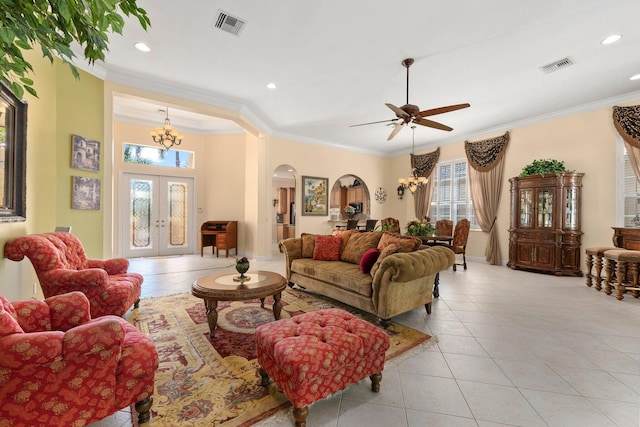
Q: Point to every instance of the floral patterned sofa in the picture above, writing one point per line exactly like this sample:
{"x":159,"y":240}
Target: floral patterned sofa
{"x":381,"y":273}
{"x":62,"y":266}
{"x":58,"y":367}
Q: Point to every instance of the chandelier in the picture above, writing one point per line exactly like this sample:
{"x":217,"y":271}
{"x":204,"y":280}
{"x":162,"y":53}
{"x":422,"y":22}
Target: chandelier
{"x":166,"y":135}
{"x":413,"y":181}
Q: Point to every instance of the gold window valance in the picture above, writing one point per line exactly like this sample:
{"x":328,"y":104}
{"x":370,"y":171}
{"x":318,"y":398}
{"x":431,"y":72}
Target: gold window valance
{"x":484,"y":155}
{"x":627,"y":122}
{"x":425,"y":163}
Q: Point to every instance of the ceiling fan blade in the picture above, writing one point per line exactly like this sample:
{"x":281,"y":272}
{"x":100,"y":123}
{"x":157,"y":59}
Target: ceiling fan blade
{"x":395,"y":131}
{"x":371,"y":123}
{"x":399,"y":112}
{"x":432,"y":124}
{"x":440,"y":110}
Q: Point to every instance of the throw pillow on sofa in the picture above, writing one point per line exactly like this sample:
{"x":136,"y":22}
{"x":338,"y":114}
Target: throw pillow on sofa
{"x":368,"y":259}
{"x":406,"y":243}
{"x":345,"y":234}
{"x":308,"y":244}
{"x":388,"y":250}
{"x":358,"y":244}
{"x":327,"y":248}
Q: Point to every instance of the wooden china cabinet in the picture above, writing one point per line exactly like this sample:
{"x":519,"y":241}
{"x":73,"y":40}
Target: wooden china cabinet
{"x":545,"y":230}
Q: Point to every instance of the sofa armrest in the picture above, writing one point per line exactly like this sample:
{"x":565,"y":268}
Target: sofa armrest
{"x":408,"y":266}
{"x":112,"y":266}
{"x":292,"y":249}
{"x":37,"y":348}
{"x":102,"y":334}
{"x":74,"y":280}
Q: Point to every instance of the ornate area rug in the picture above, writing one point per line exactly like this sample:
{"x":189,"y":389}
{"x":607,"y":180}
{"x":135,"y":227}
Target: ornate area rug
{"x":207,"y":382}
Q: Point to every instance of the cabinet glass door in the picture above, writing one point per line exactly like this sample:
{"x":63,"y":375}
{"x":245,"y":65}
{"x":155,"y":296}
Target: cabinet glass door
{"x":545,"y":208}
{"x":571,"y":209}
{"x":526,"y":208}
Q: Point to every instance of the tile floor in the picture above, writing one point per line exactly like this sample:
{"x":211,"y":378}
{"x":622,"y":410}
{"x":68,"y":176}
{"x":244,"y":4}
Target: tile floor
{"x":509,"y":348}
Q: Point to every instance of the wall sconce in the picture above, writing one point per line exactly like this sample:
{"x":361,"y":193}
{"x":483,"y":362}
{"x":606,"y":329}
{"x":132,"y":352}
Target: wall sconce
{"x":275,"y":202}
{"x":400,"y":191}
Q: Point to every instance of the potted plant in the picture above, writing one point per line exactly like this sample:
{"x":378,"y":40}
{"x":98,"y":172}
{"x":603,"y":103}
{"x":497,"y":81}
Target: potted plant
{"x":420,"y":227}
{"x":543,"y":167}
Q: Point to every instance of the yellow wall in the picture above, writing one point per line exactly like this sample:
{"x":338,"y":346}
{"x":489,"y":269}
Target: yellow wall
{"x":64,"y":106}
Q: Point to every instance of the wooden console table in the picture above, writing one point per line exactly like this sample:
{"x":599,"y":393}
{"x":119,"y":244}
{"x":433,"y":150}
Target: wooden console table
{"x":626,"y":238}
{"x":219,"y":235}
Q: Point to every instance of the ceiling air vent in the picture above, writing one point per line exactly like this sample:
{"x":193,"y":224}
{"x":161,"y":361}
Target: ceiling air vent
{"x":557,"y":65}
{"x":228,"y":23}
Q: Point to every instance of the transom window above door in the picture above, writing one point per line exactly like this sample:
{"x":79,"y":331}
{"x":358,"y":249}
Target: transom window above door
{"x":145,"y":155}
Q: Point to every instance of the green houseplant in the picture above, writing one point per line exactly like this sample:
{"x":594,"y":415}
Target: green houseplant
{"x":54,"y":25}
{"x":543,"y":167}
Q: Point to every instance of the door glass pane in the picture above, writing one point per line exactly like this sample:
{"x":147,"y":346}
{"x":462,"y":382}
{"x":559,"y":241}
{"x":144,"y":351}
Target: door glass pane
{"x":140,"y":213}
{"x":545,"y":208}
{"x":177,"y":200}
{"x":526,"y":208}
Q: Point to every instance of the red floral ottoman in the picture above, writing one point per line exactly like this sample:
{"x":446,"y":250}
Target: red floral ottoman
{"x":315,"y":354}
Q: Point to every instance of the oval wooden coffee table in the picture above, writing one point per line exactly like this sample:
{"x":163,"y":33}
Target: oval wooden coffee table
{"x":227,"y":287}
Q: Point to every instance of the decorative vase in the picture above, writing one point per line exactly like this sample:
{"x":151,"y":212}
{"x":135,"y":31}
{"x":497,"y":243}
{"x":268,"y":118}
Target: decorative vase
{"x":242,"y":268}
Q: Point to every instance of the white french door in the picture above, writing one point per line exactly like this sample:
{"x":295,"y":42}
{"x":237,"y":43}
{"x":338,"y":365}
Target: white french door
{"x":157,"y":213}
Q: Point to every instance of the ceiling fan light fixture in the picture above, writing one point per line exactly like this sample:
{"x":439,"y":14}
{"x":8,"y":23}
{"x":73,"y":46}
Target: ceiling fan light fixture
{"x":413,"y":181}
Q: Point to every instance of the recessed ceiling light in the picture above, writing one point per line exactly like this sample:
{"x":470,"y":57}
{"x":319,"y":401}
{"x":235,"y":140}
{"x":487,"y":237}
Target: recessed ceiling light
{"x":271,"y":85}
{"x":611,"y":39}
{"x":142,"y":47}
{"x":635,"y":77}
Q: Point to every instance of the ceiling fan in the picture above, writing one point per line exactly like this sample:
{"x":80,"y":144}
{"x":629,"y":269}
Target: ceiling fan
{"x":410,"y":113}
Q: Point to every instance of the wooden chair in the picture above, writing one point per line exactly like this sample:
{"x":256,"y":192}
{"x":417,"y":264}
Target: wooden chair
{"x":394,"y":223}
{"x":352,"y":224}
{"x":459,"y":243}
{"x":444,"y":227}
{"x":369,"y":226}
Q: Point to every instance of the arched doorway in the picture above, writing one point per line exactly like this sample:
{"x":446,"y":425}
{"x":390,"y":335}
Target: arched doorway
{"x":284,"y":209}
{"x":350,"y":190}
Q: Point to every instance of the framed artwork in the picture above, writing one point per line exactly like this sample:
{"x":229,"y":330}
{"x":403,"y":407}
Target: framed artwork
{"x":315,"y":198}
{"x":85,"y":153}
{"x":85,"y":193}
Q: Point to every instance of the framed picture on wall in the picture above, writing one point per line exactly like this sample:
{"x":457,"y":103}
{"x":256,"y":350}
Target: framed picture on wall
{"x":85,"y":153}
{"x":315,"y":198}
{"x":85,"y":193}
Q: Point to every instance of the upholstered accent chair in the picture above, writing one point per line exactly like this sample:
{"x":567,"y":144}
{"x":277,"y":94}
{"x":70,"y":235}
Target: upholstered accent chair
{"x":393,"y":222}
{"x":59,"y":367}
{"x":459,"y":243}
{"x":444,"y":227}
{"x":62,"y":266}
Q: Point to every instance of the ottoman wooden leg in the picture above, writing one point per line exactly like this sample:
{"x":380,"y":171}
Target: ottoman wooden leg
{"x":300,"y":415}
{"x":264,"y":377}
{"x":375,"y":382}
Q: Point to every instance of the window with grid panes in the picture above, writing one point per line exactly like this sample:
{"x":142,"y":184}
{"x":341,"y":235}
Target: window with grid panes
{"x":631,"y":195}
{"x":451,"y":198}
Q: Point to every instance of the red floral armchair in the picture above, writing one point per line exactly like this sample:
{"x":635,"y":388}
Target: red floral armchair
{"x":62,"y":266}
{"x":58,"y":367}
